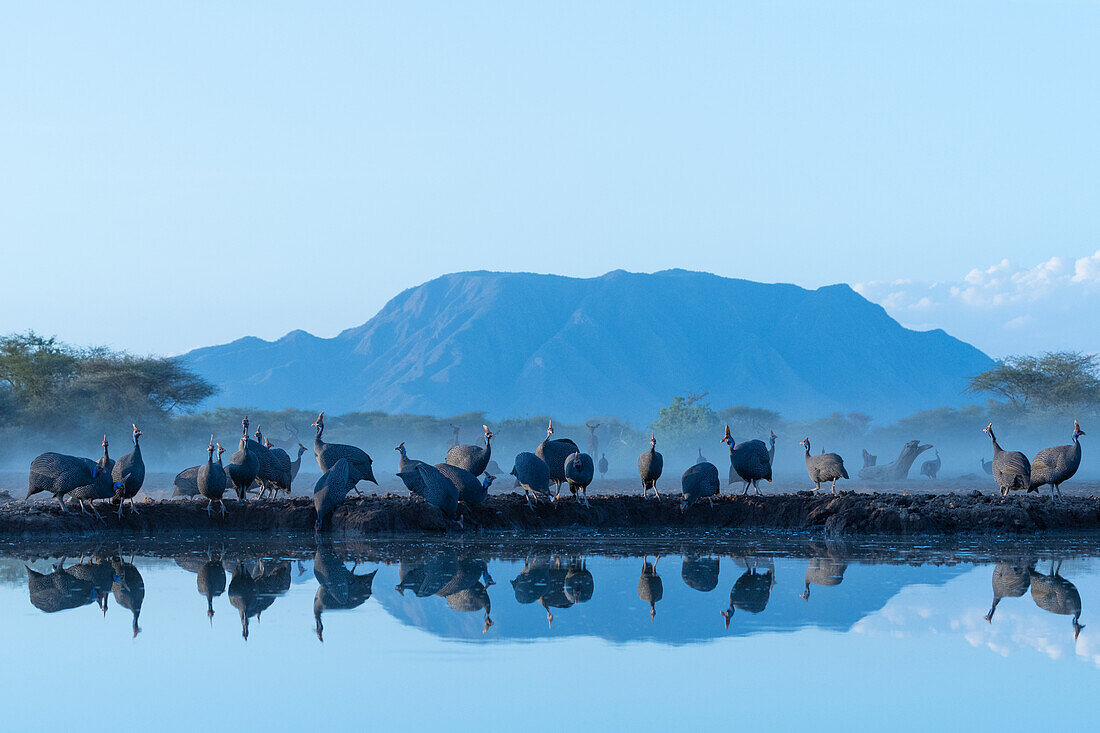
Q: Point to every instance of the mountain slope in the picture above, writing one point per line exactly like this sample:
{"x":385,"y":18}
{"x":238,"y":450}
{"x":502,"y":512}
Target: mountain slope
{"x":621,"y":344}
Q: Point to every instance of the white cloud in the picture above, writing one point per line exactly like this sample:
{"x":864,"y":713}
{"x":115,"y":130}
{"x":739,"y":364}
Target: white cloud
{"x":1005,"y":308}
{"x":1087,"y":269}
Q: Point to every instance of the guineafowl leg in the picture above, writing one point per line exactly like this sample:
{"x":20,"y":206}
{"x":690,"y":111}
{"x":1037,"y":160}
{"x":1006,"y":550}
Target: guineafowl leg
{"x":655,"y":494}
{"x":746,"y":489}
{"x":756,"y":485}
{"x":530,"y":503}
{"x":133,"y":509}
{"x":817,"y":485}
{"x":62,"y":503}
{"x":209,"y":505}
{"x":222,"y":505}
{"x":834,"y":486}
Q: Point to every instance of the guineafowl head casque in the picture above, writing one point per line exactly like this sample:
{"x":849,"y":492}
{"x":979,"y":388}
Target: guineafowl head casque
{"x":1077,"y":431}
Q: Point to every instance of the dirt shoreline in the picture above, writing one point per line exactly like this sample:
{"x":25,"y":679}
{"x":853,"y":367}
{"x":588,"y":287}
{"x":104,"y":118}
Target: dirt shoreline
{"x":845,"y":514}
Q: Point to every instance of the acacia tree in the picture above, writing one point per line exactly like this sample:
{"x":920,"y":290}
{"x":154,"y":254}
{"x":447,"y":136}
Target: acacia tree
{"x":686,"y":420}
{"x":44,"y":381}
{"x":751,"y":422}
{"x":1055,"y":380}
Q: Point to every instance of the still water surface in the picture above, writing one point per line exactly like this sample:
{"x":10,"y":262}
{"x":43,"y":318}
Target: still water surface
{"x":555,"y":633}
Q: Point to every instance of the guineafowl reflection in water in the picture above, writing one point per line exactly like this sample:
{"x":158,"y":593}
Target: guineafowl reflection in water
{"x":555,"y":595}
{"x":750,"y":593}
{"x":1010,"y":580}
{"x":252,"y":593}
{"x":100,"y":573}
{"x":650,"y":586}
{"x":462,"y":581}
{"x":210,"y":578}
{"x":59,"y":590}
{"x":826,"y":569}
{"x":580,"y":586}
{"x":1052,"y":592}
{"x":700,"y":573}
{"x":128,"y":589}
{"x":338,"y":588}
{"x":554,"y":583}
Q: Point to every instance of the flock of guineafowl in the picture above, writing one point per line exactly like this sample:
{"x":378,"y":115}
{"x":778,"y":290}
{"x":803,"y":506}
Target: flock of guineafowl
{"x":463,"y":480}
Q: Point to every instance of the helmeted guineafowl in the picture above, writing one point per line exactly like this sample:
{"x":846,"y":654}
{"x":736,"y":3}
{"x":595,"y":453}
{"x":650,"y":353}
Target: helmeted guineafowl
{"x":1057,"y":465}
{"x":824,"y":467}
{"x":472,"y":458}
{"x":579,"y":471}
{"x":130,"y":470}
{"x":602,"y":466}
{"x":698,"y":482}
{"x":533,"y":475}
{"x":105,"y":462}
{"x":212,"y":480}
{"x":244,"y":465}
{"x":276,"y":471}
{"x":330,"y":490}
{"x":404,"y":463}
{"x":186,"y":482}
{"x":360,"y":466}
{"x":931,"y":468}
{"x":553,"y":453}
{"x":749,"y":460}
{"x":429,"y":483}
{"x":1011,"y":469}
{"x":102,"y":488}
{"x":59,"y":474}
{"x":296,"y":463}
{"x":471,"y":491}
{"x":650,"y":466}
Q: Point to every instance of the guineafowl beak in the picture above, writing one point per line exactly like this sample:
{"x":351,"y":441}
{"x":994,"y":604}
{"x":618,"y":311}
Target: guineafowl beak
{"x":726,"y":616}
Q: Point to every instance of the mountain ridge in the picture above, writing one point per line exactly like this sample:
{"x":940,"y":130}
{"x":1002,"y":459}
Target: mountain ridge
{"x":619,"y":344}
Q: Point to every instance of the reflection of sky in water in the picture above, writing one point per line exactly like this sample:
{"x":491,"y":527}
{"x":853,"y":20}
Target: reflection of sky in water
{"x":898,"y":647}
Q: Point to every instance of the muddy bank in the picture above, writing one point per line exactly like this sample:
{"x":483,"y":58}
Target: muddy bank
{"x":831,"y":516}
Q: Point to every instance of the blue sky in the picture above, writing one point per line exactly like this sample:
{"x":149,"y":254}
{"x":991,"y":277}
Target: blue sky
{"x":178,"y":175}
